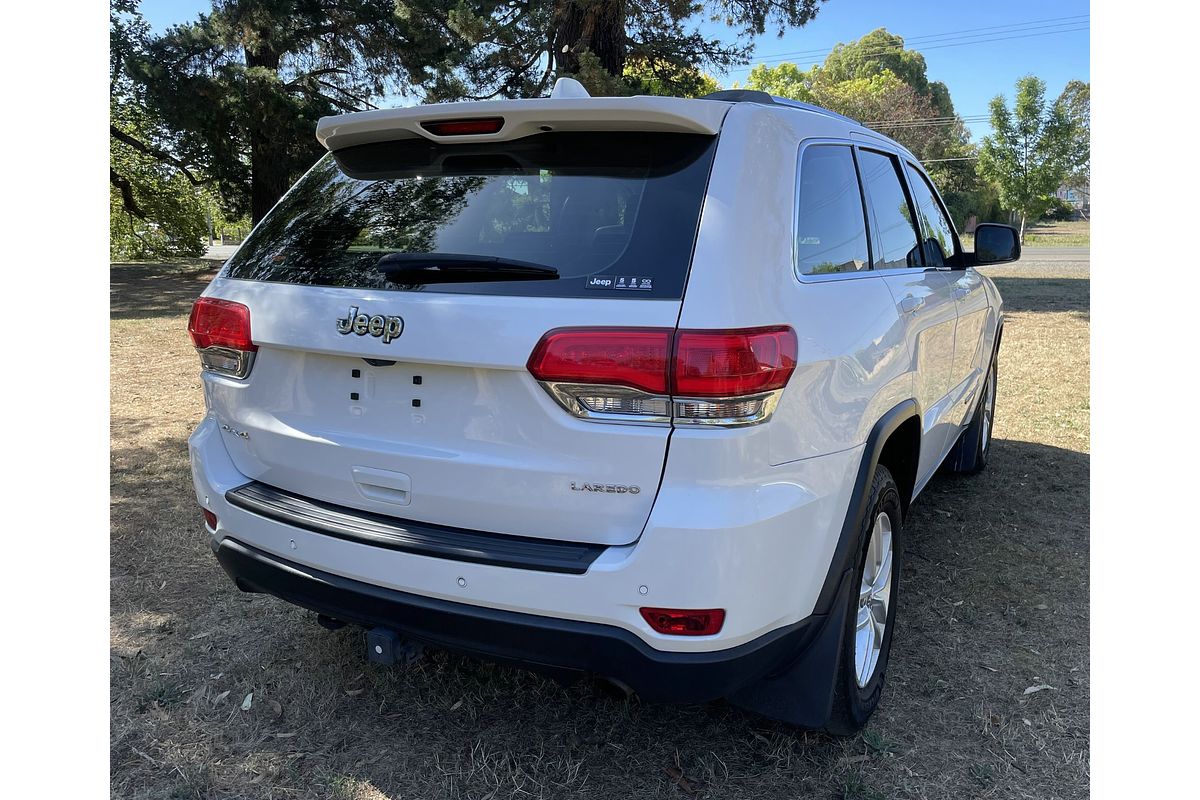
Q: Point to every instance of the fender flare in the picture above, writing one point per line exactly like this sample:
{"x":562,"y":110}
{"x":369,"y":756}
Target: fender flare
{"x":800,"y":691}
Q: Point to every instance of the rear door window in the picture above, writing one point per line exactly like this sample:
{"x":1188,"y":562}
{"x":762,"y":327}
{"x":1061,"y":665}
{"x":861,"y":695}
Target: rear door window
{"x":831,"y":232}
{"x":893,"y":224}
{"x":615,"y":214}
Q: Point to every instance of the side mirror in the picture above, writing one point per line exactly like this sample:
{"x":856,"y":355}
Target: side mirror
{"x":995,"y":244}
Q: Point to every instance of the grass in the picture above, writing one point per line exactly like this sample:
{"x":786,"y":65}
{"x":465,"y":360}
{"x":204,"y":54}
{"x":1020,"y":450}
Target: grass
{"x":1077,"y":233}
{"x":994,"y":600}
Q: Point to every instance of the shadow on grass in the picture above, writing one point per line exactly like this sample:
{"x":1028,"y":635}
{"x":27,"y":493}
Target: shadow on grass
{"x":994,"y":592}
{"x":146,"y":291}
{"x":1045,"y":294}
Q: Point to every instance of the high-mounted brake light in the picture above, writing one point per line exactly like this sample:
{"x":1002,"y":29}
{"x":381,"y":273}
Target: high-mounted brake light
{"x":220,"y":331}
{"x":685,"y":622}
{"x":660,"y":376}
{"x":464,"y":127}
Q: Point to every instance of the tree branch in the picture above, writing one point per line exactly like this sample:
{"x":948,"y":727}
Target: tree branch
{"x":161,"y":155}
{"x":126,"y":188}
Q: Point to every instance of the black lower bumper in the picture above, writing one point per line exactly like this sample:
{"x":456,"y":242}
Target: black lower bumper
{"x":522,"y":638}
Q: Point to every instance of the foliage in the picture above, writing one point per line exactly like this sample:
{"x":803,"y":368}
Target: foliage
{"x":156,"y":209}
{"x":517,"y":47}
{"x":243,"y":86}
{"x":1031,"y":150}
{"x":669,"y":80}
{"x":875,"y":80}
{"x":1076,"y":99}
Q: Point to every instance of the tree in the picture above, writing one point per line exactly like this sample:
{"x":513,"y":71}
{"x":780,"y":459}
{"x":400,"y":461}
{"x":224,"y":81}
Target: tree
{"x":878,"y":82}
{"x":1076,"y":100}
{"x":517,"y":48}
{"x":157,"y":208}
{"x":242,"y":88}
{"x":1030,"y":152}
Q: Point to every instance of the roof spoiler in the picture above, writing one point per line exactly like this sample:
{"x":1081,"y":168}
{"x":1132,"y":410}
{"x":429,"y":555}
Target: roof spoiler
{"x":569,"y":108}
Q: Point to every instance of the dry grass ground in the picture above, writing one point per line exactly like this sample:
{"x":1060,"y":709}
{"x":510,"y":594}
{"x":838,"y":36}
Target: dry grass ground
{"x":994,"y":601}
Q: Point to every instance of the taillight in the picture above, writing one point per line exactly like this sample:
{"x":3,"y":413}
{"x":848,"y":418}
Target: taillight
{"x":660,"y":376}
{"x":220,"y":331}
{"x":733,"y":363}
{"x":464,"y":127}
{"x":685,"y":622}
{"x":210,"y":519}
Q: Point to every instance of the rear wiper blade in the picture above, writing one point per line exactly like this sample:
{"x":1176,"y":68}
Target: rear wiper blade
{"x":459,"y":268}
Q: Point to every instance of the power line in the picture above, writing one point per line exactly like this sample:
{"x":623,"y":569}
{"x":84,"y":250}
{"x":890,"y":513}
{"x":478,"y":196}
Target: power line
{"x":1015,"y":27}
{"x":936,"y":46}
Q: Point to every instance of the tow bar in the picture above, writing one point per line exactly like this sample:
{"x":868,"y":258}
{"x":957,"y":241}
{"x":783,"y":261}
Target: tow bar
{"x":385,"y":646}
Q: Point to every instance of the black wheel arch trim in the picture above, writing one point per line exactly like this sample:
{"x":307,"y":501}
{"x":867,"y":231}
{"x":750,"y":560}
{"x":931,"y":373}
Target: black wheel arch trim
{"x":848,"y":545}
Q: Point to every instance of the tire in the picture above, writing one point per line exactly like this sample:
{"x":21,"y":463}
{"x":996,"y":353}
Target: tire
{"x":862,"y":669}
{"x":976,"y":443}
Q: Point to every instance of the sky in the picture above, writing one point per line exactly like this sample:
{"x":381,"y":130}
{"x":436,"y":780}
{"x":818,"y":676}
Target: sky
{"x":1050,"y":40}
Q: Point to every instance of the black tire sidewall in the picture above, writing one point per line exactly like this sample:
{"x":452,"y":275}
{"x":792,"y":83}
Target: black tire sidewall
{"x":854,"y":704}
{"x":981,"y":453}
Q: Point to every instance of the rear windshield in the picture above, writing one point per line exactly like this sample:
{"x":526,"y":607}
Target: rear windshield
{"x":614,"y":213}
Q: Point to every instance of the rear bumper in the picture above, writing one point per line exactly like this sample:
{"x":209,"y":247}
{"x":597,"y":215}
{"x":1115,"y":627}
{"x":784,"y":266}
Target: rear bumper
{"x":759,"y":547}
{"x":514,"y":637}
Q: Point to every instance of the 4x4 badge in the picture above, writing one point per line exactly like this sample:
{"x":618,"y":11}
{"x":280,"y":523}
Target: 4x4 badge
{"x":379,"y":326}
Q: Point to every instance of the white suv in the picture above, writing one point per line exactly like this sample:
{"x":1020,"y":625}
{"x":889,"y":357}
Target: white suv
{"x":640,"y":387}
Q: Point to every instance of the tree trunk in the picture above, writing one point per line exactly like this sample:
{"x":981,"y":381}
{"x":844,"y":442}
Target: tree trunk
{"x":595,"y":25}
{"x":1022,"y":234}
{"x":268,"y":164}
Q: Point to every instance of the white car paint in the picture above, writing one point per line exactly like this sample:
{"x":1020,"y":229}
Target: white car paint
{"x":744,"y":519}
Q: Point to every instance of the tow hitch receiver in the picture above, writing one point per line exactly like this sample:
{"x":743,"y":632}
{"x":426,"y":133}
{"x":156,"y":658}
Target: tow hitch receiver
{"x":385,"y":646}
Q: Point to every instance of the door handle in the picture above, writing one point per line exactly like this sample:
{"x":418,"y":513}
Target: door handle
{"x":911,"y":304}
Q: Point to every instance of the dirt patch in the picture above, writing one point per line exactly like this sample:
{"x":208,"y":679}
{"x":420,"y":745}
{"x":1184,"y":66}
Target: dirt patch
{"x":994,"y":602}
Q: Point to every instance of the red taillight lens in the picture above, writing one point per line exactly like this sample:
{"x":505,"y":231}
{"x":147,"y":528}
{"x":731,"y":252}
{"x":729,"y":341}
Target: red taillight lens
{"x":464,"y":127}
{"x":634,"y":357}
{"x":210,"y":519}
{"x":220,"y":323}
{"x":684,"y":621}
{"x":733,"y":363}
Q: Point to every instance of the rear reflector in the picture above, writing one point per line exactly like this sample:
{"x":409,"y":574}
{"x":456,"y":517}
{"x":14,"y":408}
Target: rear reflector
{"x":733,"y":363}
{"x":210,"y":519}
{"x":634,"y":357}
{"x":220,"y":323}
{"x":685,"y":622}
{"x":464,"y":127}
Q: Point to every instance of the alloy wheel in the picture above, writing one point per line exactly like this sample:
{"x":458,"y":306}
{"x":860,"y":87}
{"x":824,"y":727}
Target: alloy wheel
{"x":874,"y":596}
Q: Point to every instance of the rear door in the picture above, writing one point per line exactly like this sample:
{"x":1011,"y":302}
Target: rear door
{"x":923,"y":294}
{"x":942,"y":249}
{"x":406,"y":393}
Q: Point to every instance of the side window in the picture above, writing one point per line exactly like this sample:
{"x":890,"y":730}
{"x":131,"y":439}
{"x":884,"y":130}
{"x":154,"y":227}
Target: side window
{"x":938,"y":239}
{"x":895,"y":235}
{"x":831,"y":232}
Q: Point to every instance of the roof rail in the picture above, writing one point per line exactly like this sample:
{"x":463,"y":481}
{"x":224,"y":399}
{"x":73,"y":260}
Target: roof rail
{"x":755,"y":96}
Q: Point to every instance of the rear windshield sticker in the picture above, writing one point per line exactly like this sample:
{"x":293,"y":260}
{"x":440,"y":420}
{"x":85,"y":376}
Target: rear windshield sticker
{"x":620,"y":283}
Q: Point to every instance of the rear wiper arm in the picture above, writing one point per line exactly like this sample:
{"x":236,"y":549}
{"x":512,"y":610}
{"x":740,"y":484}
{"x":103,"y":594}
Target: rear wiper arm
{"x":459,"y":268}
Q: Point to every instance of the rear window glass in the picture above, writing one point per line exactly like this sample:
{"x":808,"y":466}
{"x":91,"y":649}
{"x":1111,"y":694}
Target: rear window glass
{"x":614,"y":213}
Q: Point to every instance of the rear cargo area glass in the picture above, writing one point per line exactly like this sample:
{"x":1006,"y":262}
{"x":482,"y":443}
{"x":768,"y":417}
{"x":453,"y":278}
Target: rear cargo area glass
{"x":615,"y":214}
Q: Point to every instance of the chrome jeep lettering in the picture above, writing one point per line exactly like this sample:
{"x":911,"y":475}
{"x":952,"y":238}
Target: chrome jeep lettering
{"x":382,"y":327}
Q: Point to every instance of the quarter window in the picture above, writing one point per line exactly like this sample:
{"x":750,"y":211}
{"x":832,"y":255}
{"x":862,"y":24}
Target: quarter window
{"x":895,"y":236}
{"x":831,"y":232}
{"x":938,"y":242}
